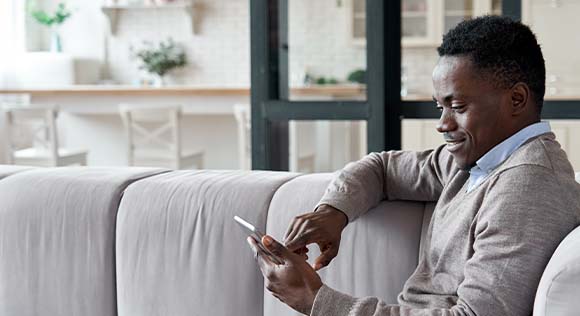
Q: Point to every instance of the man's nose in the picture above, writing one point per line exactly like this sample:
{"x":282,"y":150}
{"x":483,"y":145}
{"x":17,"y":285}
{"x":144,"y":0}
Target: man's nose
{"x":446,"y":122}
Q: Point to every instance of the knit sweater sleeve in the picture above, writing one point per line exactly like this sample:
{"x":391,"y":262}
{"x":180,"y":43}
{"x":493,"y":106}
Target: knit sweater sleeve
{"x":525,"y":215}
{"x":393,"y":175}
{"x":330,"y":302}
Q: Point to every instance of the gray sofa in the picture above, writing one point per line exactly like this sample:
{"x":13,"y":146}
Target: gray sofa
{"x":134,"y":241}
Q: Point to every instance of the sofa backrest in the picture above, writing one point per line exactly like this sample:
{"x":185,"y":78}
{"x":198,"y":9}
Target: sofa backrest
{"x":57,"y":239}
{"x":378,"y":251}
{"x":179,"y":251}
{"x":131,"y":241}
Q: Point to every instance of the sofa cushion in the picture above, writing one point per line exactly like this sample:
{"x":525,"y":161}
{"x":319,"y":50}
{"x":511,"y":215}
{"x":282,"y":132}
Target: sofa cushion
{"x":378,"y":251}
{"x":558,"y":291}
{"x":57,"y":230}
{"x":8,"y":170}
{"x":179,"y":251}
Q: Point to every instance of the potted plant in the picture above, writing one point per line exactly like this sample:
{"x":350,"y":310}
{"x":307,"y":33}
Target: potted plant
{"x":53,"y":21}
{"x":159,"y":59}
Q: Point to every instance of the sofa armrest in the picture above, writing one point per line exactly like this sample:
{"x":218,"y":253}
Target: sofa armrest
{"x":559,"y":289}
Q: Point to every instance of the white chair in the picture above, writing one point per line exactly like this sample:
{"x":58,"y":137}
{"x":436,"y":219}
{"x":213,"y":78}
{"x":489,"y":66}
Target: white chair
{"x":14,"y":98}
{"x":154,"y":137}
{"x":243,"y":117}
{"x":32,"y":138}
{"x":298,"y":161}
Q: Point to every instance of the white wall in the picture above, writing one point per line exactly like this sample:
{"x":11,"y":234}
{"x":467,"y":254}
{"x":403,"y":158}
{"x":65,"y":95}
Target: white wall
{"x":219,"y":52}
{"x":418,"y":64}
{"x":320,"y":40}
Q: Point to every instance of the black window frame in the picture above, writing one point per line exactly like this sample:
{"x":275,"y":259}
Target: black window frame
{"x":383,"y":109}
{"x":271,"y":109}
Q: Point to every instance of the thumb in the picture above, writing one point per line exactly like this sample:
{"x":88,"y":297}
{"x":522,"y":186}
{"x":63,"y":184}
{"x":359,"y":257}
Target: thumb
{"x":275,"y":247}
{"x":325,"y":257}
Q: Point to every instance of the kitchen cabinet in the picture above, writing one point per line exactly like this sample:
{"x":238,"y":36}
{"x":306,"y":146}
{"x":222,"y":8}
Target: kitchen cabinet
{"x":556,"y":25}
{"x":434,"y":18}
{"x":418,"y":18}
{"x":423,"y":22}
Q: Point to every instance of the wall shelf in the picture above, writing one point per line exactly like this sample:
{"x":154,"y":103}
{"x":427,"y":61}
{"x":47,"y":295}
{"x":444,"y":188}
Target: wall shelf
{"x":113,"y":12}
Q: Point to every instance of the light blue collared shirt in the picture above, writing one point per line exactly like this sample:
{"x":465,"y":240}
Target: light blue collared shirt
{"x":498,"y":154}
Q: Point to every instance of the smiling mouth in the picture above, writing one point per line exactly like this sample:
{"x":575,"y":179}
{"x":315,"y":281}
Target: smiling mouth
{"x":452,"y":144}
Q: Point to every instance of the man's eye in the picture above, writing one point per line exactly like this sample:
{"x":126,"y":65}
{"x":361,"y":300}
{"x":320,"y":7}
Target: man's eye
{"x":458,"y":108}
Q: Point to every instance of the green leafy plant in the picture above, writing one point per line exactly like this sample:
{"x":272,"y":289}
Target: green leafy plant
{"x":358,"y":76}
{"x":161,"y":58}
{"x":60,"y":15}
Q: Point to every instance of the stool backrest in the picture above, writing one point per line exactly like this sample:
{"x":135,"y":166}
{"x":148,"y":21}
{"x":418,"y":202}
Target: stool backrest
{"x":12,"y":99}
{"x":34,"y":121}
{"x":243,"y":119}
{"x":150,"y":127}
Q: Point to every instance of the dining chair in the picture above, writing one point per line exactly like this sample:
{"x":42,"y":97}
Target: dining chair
{"x":299,"y":161}
{"x":32,"y":137}
{"x":154,"y":137}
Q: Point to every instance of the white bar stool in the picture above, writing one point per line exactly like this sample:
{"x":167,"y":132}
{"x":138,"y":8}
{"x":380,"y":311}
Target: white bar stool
{"x":32,"y":137}
{"x":154,"y":137}
{"x":298,"y":160}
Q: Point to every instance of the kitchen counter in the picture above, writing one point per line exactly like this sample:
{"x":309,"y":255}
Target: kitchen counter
{"x":131,"y":90}
{"x":343,"y":90}
{"x":353,"y":91}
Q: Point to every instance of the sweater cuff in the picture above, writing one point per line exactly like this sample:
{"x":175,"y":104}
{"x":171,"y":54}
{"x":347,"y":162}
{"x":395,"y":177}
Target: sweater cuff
{"x":329,"y":302}
{"x":339,"y":203}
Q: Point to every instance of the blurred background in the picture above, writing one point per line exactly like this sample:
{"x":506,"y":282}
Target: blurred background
{"x":178,"y":83}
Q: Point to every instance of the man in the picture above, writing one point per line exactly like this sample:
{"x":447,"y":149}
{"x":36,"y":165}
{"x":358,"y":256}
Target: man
{"x":505,"y":190}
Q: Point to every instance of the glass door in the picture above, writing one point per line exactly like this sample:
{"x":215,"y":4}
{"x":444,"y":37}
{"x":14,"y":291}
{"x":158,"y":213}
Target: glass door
{"x":316,"y":92}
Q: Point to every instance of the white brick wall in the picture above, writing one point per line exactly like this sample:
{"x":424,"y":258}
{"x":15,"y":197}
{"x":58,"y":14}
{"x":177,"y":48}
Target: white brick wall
{"x":418,"y":64}
{"x":320,"y":40}
{"x":219,"y":51}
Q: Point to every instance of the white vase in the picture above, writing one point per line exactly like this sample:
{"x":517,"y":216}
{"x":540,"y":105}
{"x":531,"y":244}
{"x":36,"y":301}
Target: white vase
{"x":55,"y":42}
{"x":158,"y":81}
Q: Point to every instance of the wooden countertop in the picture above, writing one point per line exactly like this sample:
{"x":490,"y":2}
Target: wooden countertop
{"x":339,"y":91}
{"x":132,"y":90}
{"x":342,"y":90}
{"x":352,"y":91}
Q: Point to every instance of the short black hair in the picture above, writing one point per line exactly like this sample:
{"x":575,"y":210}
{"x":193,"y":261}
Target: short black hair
{"x":505,"y":49}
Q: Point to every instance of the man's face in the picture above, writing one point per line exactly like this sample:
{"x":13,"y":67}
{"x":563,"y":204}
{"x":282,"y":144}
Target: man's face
{"x":475,"y":114}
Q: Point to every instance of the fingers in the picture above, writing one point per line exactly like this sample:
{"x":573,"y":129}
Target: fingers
{"x":302,"y":239}
{"x":325,"y":257}
{"x":262,"y":257}
{"x":293,"y":228}
{"x":299,"y":232}
{"x":276,"y":248}
{"x":300,"y":251}
{"x":304,"y":230}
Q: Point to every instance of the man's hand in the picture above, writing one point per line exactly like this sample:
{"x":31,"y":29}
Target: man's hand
{"x":294,"y":282}
{"x":323,"y":227}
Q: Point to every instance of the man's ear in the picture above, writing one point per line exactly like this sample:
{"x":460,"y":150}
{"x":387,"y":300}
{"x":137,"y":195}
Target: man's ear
{"x":520,"y":98}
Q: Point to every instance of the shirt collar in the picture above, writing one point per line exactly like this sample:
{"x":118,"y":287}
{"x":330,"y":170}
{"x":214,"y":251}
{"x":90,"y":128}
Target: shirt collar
{"x":503,"y":150}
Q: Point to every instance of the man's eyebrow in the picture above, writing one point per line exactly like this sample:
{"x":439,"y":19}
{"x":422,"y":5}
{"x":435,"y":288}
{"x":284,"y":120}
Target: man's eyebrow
{"x":446,"y":99}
